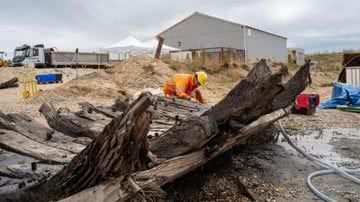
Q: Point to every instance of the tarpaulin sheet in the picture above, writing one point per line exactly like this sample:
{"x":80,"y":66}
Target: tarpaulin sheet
{"x":342,"y":94}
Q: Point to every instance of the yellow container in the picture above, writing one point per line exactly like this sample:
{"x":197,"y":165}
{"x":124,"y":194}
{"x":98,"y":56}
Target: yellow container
{"x":27,"y":79}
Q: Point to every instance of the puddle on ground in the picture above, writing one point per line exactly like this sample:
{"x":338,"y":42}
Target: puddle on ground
{"x":338,"y":146}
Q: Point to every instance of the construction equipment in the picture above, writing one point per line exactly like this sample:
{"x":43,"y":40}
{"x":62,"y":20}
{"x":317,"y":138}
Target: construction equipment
{"x":3,"y":62}
{"x":306,"y":104}
{"x":39,"y":56}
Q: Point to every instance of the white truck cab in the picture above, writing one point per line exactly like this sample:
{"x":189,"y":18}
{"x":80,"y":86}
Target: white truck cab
{"x":27,"y":55}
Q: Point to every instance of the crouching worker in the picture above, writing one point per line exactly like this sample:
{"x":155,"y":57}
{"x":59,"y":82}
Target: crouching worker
{"x":185,"y":86}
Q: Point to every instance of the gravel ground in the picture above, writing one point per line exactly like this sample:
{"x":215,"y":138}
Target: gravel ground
{"x":323,"y":118}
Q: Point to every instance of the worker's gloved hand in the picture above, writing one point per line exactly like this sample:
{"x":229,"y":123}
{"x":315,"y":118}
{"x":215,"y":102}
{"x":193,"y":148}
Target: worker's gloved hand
{"x":194,"y":100}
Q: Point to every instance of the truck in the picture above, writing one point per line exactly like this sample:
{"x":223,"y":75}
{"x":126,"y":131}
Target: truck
{"x":40,"y":57}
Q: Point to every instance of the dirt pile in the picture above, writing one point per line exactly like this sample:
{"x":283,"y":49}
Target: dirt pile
{"x":125,"y":79}
{"x":141,"y":72}
{"x":94,"y":85}
{"x":97,"y":84}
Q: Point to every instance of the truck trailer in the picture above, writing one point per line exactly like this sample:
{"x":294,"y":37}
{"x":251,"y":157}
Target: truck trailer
{"x":39,"y":56}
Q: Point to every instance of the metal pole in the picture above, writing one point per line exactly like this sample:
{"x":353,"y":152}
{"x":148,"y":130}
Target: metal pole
{"x":245,"y":48}
{"x":77,"y":61}
{"x":99,"y":59}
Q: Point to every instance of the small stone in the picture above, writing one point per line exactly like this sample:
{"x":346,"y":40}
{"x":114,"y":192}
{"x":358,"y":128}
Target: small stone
{"x":21,"y":184}
{"x":30,"y":180}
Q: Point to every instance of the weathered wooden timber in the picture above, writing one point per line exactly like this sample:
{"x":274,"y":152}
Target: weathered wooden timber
{"x":32,"y":130}
{"x":12,"y":83}
{"x":69,"y":123}
{"x":16,"y":142}
{"x":120,"y":150}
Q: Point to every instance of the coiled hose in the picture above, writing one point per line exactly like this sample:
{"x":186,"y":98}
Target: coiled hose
{"x":331,"y":169}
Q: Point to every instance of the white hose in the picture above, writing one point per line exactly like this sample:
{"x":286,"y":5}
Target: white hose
{"x":335,"y":169}
{"x":324,"y":172}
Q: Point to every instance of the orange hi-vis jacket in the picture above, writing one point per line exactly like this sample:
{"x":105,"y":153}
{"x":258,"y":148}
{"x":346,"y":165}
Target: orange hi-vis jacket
{"x":182,"y":85}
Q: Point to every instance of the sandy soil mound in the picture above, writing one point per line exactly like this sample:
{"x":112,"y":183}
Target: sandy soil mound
{"x":95,"y":85}
{"x":7,"y":73}
{"x":141,"y":72}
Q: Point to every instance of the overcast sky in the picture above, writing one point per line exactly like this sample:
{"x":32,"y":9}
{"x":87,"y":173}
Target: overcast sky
{"x":316,"y":25}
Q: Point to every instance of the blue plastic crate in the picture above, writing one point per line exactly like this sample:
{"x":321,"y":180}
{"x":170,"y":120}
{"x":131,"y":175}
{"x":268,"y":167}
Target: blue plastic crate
{"x":49,"y":78}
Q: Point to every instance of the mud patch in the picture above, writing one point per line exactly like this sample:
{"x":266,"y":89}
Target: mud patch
{"x":348,"y":148}
{"x":338,"y":146}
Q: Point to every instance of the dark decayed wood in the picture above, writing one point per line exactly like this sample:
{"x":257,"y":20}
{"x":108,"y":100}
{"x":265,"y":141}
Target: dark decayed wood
{"x":21,"y":134}
{"x":120,"y":150}
{"x":10,"y":83}
{"x":69,"y":123}
{"x":34,"y":131}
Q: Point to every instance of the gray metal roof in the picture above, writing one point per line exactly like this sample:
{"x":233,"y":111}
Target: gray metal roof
{"x":216,"y":18}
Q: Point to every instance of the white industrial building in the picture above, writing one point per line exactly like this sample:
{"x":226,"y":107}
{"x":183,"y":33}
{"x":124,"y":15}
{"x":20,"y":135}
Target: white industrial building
{"x":201,"y":32}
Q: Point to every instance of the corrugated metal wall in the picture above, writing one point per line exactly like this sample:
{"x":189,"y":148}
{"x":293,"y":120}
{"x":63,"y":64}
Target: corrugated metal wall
{"x":182,"y":56}
{"x":263,"y":45}
{"x":296,"y":55}
{"x":353,"y":76}
{"x":67,"y":58}
{"x":300,"y":56}
{"x":119,"y":56}
{"x":203,"y":32}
